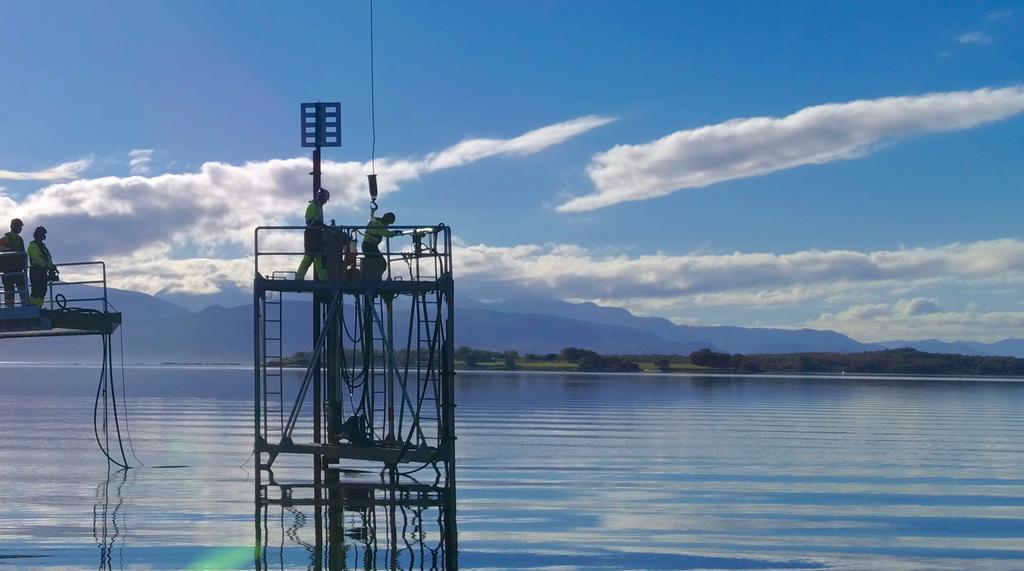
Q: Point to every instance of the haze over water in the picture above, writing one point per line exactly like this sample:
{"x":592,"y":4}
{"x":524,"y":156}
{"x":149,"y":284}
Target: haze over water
{"x":616,"y":471}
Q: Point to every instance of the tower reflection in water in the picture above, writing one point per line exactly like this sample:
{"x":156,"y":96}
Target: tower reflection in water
{"x":107,"y":519}
{"x":356,"y":520}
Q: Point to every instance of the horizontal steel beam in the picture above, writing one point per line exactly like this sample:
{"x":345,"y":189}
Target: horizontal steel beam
{"x":388,"y":455}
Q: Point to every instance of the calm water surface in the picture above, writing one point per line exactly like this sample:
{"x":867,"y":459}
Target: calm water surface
{"x":554,"y":471}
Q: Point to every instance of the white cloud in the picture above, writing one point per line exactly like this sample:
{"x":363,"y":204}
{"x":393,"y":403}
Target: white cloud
{"x":742,"y":148}
{"x":64,"y":171}
{"x":528,"y":143}
{"x":1000,"y":15}
{"x":740,"y":278}
{"x":139,"y":160}
{"x":155,"y":270}
{"x":976,"y":37}
{"x":675,"y":286}
{"x":794,"y":284}
{"x":188,"y":219}
{"x":899,"y":320}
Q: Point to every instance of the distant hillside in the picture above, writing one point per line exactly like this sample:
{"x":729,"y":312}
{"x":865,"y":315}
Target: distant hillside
{"x":156,"y":330}
{"x":935,"y":346}
{"x":726,"y":338}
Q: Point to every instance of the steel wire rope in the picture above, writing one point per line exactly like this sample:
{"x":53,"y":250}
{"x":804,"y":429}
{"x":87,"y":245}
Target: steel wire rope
{"x":373,"y":109}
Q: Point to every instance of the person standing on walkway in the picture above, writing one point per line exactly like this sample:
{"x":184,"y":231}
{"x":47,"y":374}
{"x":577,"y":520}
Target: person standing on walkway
{"x":374,"y":264}
{"x":12,"y":264}
{"x":41,"y":268}
{"x":312,"y":239}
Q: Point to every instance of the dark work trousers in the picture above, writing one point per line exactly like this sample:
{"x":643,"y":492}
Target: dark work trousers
{"x":374,"y":265}
{"x":38,"y":278}
{"x":12,"y":282}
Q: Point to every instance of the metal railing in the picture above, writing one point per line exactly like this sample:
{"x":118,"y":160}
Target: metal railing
{"x":426,"y":251}
{"x":61,"y":293}
{"x":62,"y":301}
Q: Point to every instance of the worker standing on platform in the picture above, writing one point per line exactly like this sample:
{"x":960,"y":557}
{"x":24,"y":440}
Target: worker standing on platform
{"x":374,"y":264}
{"x":41,"y":268}
{"x":12,"y":265}
{"x":312,"y":240}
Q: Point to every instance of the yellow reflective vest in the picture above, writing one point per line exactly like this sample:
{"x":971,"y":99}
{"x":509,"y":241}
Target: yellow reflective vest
{"x":314,"y":214}
{"x":39,"y":256}
{"x":376,"y":231}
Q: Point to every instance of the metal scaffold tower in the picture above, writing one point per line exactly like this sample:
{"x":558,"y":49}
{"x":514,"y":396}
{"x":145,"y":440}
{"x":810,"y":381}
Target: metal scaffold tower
{"x":378,"y":385}
{"x":376,"y":389}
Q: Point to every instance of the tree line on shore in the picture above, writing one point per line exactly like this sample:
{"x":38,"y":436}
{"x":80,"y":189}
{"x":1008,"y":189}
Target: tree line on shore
{"x":584,"y":359}
{"x":892,"y":361}
{"x":904,"y":361}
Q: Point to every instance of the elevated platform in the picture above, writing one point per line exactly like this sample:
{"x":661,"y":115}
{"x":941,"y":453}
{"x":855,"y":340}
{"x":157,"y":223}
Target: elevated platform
{"x":355,"y":287}
{"x":18,"y":322}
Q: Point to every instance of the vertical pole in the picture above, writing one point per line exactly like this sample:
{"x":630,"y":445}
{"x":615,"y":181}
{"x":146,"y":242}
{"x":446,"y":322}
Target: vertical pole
{"x":257,"y":368}
{"x":316,"y":171}
{"x":257,"y":454}
{"x":256,"y":381}
{"x":448,"y":414}
{"x":388,"y":362}
{"x":317,"y":388}
{"x":335,"y":346}
{"x":369,"y":382}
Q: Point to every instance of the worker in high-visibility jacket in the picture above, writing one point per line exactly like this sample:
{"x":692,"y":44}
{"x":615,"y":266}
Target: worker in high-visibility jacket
{"x":41,"y":268}
{"x":374,"y":264}
{"x":12,"y":264}
{"x":312,"y":240}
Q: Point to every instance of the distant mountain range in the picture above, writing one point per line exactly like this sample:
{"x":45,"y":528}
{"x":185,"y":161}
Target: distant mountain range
{"x":157,"y":330}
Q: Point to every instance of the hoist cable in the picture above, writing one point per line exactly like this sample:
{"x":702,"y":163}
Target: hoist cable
{"x":373,"y":110}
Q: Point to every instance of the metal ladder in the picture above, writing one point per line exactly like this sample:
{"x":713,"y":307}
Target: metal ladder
{"x":273,"y":355}
{"x":429,"y":338}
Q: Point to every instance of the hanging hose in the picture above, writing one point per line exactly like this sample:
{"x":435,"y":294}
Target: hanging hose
{"x":104,"y":388}
{"x":124,"y":399}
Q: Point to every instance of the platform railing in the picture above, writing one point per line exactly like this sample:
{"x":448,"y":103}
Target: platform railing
{"x":58,"y":298}
{"x":6,"y":277}
{"x":425,"y":251}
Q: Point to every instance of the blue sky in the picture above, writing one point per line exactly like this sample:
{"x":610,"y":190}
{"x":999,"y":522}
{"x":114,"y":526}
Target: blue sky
{"x":191,"y":83}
